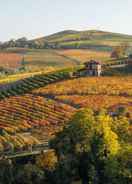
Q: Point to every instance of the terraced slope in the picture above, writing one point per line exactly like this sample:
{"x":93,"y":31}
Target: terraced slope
{"x":40,"y":108}
{"x":121,"y":86}
{"x":28,"y":84}
{"x":24,"y":114}
{"x":21,"y":113}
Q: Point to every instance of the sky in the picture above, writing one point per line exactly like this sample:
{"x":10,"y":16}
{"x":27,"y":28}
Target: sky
{"x":36,"y":18}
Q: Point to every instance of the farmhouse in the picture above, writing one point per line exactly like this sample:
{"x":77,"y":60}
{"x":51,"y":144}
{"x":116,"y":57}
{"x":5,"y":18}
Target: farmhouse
{"x":91,"y":68}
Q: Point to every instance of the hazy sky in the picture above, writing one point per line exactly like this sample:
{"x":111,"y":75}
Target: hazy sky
{"x":34,"y":18}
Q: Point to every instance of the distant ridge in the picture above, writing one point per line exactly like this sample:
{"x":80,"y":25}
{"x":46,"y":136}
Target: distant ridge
{"x":81,"y":34}
{"x":91,"y":39}
{"x":72,"y":39}
{"x":76,"y":32}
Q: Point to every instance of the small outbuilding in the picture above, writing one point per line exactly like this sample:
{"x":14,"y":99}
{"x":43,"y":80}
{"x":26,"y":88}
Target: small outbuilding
{"x":91,"y":68}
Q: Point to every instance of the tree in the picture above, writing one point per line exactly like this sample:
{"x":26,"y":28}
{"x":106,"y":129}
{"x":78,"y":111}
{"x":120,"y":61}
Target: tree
{"x":104,"y":150}
{"x":6,"y":171}
{"x":76,"y":135}
{"x":11,"y":43}
{"x":47,"y":161}
{"x":122,"y":127}
{"x":73,"y":142}
{"x":89,"y":139}
{"x":125,"y":169}
{"x":28,"y":174}
{"x":119,"y":51}
{"x":21,"y":42}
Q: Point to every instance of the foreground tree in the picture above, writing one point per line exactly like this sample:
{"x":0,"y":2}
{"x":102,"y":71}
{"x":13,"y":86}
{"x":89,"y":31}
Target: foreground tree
{"x":104,"y":150}
{"x":90,"y":147}
{"x":48,"y":163}
{"x":125,"y":169}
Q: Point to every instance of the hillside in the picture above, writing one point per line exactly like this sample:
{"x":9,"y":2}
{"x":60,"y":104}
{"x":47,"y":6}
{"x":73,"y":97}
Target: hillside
{"x":34,"y":60}
{"x":92,"y":39}
{"x":95,"y":92}
{"x":64,"y":49}
{"x":23,"y":113}
{"x":48,"y":59}
{"x":40,"y":105}
{"x":41,"y":59}
{"x":34,"y":112}
{"x":72,"y":39}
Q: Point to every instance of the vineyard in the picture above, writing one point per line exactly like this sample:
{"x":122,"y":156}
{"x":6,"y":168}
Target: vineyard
{"x":96,"y":93}
{"x":10,"y":60}
{"x":34,"y":108}
{"x":85,"y":55}
{"x":119,"y":86}
{"x":24,"y":113}
{"x":21,"y":113}
{"x":46,"y":58}
{"x":35,"y":60}
{"x":96,"y":102}
{"x":28,"y":84}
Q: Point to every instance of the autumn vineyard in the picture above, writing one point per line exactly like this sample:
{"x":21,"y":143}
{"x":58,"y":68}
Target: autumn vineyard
{"x":26,"y":105}
{"x":22,"y":114}
{"x":66,"y":111}
{"x":10,"y":60}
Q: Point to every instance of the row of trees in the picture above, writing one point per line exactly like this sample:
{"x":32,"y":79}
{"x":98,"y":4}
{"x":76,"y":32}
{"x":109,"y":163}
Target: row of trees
{"x":93,"y":148}
{"x":117,"y":51}
{"x":25,"y":43}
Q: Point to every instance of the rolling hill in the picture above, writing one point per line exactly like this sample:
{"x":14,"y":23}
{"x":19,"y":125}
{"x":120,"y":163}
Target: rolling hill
{"x":72,"y":39}
{"x":93,"y":39}
{"x":64,"y":49}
